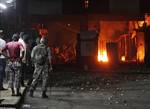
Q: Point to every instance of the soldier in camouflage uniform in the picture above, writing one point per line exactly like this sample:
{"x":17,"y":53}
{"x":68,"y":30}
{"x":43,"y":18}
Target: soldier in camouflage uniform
{"x":41,"y":70}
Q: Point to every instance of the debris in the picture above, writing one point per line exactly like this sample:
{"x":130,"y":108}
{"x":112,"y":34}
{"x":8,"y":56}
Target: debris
{"x":109,"y":98}
{"x":136,"y":80}
{"x":107,"y":84}
{"x":116,"y":102}
{"x":82,"y":88}
{"x":119,"y":89}
{"x":91,"y":89}
{"x":26,"y":106}
{"x":87,"y":82}
{"x":97,"y":88}
{"x":121,"y":94}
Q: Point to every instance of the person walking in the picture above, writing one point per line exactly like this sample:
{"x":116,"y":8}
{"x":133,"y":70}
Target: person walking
{"x":41,"y":57}
{"x":2,"y":61}
{"x":24,"y":37}
{"x":15,"y":54}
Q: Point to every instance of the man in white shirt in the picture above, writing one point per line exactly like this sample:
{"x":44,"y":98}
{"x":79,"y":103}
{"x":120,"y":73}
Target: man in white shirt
{"x":23,"y":66}
{"x":23,"y":40}
{"x":2,"y":61}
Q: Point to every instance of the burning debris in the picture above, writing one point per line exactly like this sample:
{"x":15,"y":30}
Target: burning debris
{"x":129,"y":37}
{"x":102,"y":56}
{"x":64,"y":54}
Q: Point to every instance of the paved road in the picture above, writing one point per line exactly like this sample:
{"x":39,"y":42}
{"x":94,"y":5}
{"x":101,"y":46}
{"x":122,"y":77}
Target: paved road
{"x":93,"y":91}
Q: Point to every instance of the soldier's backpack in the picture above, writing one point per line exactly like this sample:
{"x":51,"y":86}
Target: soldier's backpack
{"x":41,"y":55}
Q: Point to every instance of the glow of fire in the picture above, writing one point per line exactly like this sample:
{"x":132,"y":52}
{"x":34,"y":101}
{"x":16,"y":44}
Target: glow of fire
{"x":140,"y":55}
{"x":123,"y":58}
{"x":102,"y":56}
{"x":140,"y":23}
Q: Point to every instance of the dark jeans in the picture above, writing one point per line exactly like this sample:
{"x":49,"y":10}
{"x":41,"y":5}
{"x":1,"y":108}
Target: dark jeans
{"x":2,"y":70}
{"x":23,"y":72}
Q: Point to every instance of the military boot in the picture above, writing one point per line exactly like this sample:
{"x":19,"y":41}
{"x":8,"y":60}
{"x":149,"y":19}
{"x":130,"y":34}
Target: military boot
{"x":12,"y":92}
{"x":18,"y":92}
{"x":31,"y":93}
{"x":44,"y":94}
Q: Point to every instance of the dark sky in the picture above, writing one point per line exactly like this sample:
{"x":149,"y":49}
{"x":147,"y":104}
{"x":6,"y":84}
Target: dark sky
{"x":95,"y":6}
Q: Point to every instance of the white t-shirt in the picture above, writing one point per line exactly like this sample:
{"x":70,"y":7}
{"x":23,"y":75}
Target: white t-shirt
{"x":24,"y":46}
{"x":2,"y":46}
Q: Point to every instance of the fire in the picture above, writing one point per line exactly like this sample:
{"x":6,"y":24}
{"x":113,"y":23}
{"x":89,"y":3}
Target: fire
{"x":123,"y":58}
{"x":102,"y":56}
{"x":140,"y":53}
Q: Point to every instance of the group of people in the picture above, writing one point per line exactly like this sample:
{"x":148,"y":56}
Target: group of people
{"x":15,"y":54}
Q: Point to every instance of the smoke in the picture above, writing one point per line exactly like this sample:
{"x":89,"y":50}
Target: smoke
{"x":111,"y":30}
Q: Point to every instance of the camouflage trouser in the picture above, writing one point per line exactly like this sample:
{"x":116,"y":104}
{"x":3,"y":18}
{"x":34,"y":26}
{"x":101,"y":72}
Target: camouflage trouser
{"x":40,"y":71}
{"x":14,"y":71}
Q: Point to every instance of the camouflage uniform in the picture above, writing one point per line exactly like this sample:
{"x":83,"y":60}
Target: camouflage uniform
{"x":40,"y":70}
{"x":14,"y":51}
{"x":14,"y":74}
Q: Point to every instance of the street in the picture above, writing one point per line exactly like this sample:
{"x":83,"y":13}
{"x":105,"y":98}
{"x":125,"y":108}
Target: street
{"x":72,"y":90}
{"x":97,"y":54}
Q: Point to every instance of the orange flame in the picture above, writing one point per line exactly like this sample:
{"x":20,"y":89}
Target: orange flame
{"x":140,"y":54}
{"x":102,"y":56}
{"x":123,"y":58}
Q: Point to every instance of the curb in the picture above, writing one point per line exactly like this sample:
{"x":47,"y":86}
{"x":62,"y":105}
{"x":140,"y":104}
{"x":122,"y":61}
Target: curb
{"x":18,"y":103}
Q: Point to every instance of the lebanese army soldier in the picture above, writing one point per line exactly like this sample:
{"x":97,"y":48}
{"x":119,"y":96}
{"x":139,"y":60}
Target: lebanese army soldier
{"x":41,"y":57}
